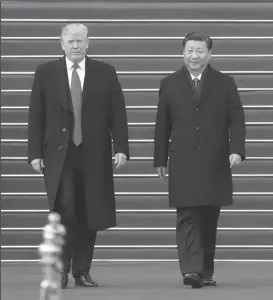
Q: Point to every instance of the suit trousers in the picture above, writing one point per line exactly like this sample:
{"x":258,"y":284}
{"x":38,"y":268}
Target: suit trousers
{"x":196,"y":231}
{"x":70,"y":204}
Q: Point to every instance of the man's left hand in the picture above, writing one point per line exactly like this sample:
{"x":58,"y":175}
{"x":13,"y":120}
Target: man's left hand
{"x":234,"y":159}
{"x":120,"y":160}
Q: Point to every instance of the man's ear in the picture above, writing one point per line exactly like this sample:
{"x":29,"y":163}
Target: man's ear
{"x":62,"y":44}
{"x":88,"y":43}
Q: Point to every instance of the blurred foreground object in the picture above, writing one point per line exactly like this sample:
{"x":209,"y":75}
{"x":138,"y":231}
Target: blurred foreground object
{"x":50,"y":252}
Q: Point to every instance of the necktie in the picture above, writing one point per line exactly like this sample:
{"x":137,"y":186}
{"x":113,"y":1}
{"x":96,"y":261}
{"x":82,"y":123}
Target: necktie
{"x":76,"y":94}
{"x":196,"y":83}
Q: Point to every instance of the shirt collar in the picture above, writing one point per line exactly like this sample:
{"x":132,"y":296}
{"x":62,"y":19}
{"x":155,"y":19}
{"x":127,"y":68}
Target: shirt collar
{"x":70,"y":64}
{"x":199,"y":76}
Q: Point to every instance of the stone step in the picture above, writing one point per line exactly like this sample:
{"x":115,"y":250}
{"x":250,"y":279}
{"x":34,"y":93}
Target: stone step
{"x":139,"y":149}
{"x":145,"y":98}
{"x":140,"y":132}
{"x":144,"y":237}
{"x":253,"y":132}
{"x":146,"y":219}
{"x":151,"y":202}
{"x":25,"y":254}
{"x":111,"y":46}
{"x":142,"y":167}
{"x":139,"y":115}
{"x":159,"y":29}
{"x":139,"y":81}
{"x":150,"y":64}
{"x":244,"y":9}
{"x":135,"y":184}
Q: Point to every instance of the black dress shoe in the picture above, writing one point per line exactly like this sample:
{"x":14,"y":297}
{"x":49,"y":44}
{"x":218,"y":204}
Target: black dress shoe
{"x":64,"y":280}
{"x":85,"y":280}
{"x":209,"y":282}
{"x":193,"y":279}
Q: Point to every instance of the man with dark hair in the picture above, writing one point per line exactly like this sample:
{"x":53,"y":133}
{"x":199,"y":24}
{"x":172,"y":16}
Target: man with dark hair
{"x":195,"y":36}
{"x":76,"y":107}
{"x":200,"y":110}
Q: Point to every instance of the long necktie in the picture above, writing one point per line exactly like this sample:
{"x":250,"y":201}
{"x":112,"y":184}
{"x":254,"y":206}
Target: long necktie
{"x":76,"y":94}
{"x":196,"y":83}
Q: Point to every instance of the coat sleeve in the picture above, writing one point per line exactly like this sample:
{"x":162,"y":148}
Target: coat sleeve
{"x":36,"y":118}
{"x":162,"y":131}
{"x":237,"y":129}
{"x":118,"y":124}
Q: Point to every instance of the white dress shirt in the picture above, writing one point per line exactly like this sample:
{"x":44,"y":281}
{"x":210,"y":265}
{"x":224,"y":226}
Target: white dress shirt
{"x":199,"y":76}
{"x":80,"y":70}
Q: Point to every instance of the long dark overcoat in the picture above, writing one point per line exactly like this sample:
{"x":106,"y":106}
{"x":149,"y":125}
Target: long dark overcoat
{"x":103,"y":117}
{"x":199,"y":130}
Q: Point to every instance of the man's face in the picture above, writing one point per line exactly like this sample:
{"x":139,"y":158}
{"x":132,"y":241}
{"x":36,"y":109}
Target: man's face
{"x":196,"y":55}
{"x":74,"y":44}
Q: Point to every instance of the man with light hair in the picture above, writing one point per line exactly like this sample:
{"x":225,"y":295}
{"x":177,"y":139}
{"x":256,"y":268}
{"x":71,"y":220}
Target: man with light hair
{"x":76,"y":108}
{"x":76,"y":27}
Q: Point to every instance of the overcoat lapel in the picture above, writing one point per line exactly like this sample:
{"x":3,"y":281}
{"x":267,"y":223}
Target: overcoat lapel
{"x":61,"y":80}
{"x":206,"y":85}
{"x":184,"y":85}
{"x":91,"y":80}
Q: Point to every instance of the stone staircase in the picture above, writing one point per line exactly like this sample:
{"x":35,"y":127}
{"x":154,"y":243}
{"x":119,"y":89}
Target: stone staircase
{"x":143,"y":41}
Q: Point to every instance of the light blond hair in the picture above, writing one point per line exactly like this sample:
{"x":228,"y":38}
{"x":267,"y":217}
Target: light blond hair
{"x":68,"y":27}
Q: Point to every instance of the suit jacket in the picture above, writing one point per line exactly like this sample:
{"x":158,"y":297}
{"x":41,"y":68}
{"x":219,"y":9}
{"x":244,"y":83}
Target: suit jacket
{"x":199,"y":170}
{"x":103,"y":118}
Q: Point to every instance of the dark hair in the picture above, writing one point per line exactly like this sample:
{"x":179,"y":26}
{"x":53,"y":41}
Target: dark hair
{"x":195,"y":36}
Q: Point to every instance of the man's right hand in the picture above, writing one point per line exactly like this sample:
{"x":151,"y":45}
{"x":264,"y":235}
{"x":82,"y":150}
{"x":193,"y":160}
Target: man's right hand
{"x":162,"y":171}
{"x":38,"y":165}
